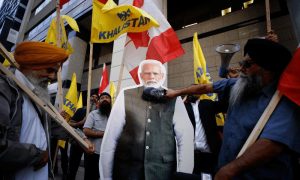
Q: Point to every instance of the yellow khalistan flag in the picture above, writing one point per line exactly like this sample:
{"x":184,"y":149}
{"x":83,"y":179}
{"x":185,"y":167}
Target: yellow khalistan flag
{"x":109,"y":21}
{"x":202,"y":76}
{"x":51,"y":35}
{"x":112,"y":92}
{"x":79,"y":104}
{"x":70,"y":101}
{"x":6,"y":63}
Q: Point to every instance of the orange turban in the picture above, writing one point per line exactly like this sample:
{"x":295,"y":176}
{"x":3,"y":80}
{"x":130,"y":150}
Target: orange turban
{"x":39,"y":55}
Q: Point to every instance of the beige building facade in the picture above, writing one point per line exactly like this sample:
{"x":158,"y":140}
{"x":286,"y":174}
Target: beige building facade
{"x":235,"y":27}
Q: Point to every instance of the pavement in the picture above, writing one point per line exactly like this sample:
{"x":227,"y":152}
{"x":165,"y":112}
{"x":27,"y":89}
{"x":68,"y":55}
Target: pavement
{"x":59,"y":174}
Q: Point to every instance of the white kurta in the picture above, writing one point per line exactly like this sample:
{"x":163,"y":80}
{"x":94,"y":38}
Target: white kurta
{"x":183,"y":130}
{"x":200,"y":137}
{"x":32,"y":132}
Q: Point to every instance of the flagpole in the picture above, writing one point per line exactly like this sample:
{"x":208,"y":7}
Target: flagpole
{"x":268,"y":17}
{"x":120,"y":77}
{"x":89,"y":81}
{"x":58,"y":43}
{"x":59,"y":81}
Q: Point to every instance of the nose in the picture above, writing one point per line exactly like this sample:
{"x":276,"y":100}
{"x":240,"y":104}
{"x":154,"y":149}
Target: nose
{"x":152,"y":75}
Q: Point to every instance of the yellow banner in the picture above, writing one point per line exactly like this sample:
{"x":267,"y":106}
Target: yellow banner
{"x":112,"y":92}
{"x":202,"y":76}
{"x":61,"y":143}
{"x":70,"y":101}
{"x":109,"y":21}
{"x":51,"y":35}
{"x":79,"y":104}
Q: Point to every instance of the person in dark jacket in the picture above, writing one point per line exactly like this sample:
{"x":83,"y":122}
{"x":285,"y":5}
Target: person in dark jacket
{"x":23,"y":144}
{"x":202,"y":114}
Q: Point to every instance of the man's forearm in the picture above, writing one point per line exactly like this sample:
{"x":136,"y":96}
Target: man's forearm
{"x":262,"y":151}
{"x":92,"y":133}
{"x":193,"y":89}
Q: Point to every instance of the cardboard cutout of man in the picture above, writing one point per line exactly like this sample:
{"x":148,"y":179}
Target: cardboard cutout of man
{"x":144,"y":130}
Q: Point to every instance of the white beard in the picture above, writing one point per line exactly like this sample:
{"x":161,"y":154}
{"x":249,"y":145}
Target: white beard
{"x":152,"y":83}
{"x":40,"y":87}
{"x":245,"y":87}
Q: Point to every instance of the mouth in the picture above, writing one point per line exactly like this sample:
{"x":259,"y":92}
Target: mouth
{"x":151,"y":82}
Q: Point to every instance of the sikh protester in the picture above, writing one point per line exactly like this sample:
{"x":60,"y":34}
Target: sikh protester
{"x":23,"y":145}
{"x":94,"y":129}
{"x":272,"y":156}
{"x":76,"y":151}
{"x":144,"y":130}
{"x":94,"y":102}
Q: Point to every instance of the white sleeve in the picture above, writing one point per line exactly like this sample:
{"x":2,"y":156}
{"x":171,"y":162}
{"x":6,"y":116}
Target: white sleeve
{"x":113,"y":130}
{"x":185,"y":138}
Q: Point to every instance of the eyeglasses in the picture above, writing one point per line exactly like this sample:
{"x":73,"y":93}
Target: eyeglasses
{"x":246,"y":63}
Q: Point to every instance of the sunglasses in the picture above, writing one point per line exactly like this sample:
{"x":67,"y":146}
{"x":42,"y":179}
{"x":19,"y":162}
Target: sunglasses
{"x":246,"y":63}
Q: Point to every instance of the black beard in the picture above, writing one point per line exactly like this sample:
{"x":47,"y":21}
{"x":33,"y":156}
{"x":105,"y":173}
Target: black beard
{"x":105,"y":108}
{"x":245,"y":88}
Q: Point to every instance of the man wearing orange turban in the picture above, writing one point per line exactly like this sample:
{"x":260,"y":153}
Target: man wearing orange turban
{"x":23,"y":144}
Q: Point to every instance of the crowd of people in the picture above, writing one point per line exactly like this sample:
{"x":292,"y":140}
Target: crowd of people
{"x":152,"y":132}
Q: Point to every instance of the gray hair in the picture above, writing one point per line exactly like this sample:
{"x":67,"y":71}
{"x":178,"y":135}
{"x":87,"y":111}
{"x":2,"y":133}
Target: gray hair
{"x":152,"y":61}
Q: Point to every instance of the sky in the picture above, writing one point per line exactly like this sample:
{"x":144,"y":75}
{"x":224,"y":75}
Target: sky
{"x":1,"y":1}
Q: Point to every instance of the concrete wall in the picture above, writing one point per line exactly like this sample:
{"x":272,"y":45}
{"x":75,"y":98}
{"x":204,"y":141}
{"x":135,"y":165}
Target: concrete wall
{"x":181,"y":69}
{"x":294,"y":9}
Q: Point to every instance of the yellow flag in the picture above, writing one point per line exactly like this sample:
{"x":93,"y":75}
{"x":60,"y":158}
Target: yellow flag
{"x":112,"y":92}
{"x":6,"y":63}
{"x":109,"y":21}
{"x":202,"y":76}
{"x":61,"y":143}
{"x":79,"y":104}
{"x":51,"y":35}
{"x":70,"y":101}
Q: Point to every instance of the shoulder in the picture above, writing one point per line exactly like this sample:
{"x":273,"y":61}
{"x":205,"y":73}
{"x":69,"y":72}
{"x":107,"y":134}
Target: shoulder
{"x":225,"y":82}
{"x":5,"y":87}
{"x":224,"y":85}
{"x":130,"y":88}
{"x":94,"y":112}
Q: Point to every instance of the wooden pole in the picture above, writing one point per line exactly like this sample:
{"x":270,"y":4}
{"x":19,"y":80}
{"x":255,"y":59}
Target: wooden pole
{"x":268,"y":17}
{"x":88,"y":104}
{"x":261,"y":122}
{"x":8,"y":56}
{"x":58,"y":43}
{"x":120,"y":77}
{"x":55,"y":155}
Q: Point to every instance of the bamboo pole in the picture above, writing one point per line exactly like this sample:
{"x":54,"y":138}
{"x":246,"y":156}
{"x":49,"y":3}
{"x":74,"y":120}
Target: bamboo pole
{"x":268,"y":17}
{"x":261,"y":122}
{"x":8,"y":56}
{"x":120,"y":77}
{"x":88,"y":104}
{"x":58,"y":43}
